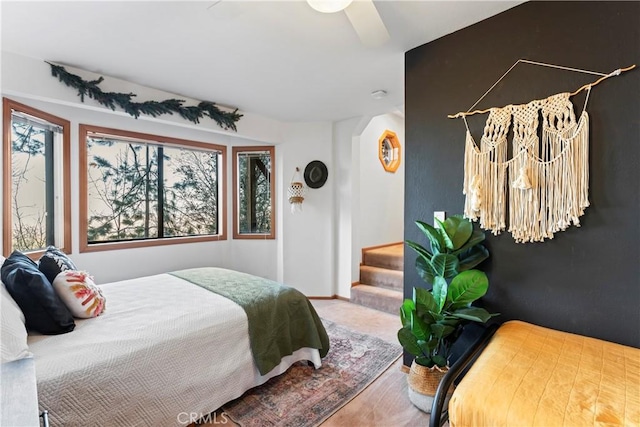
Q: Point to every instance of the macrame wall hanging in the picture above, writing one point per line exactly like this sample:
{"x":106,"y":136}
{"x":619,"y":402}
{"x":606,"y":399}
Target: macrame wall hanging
{"x":544,"y":187}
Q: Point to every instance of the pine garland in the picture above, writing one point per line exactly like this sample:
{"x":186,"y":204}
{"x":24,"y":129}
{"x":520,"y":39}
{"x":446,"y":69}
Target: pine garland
{"x":226,"y":120}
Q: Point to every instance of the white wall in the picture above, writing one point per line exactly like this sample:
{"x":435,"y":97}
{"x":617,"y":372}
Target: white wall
{"x":366,"y":195}
{"x":381,"y":195}
{"x":316,"y":251}
{"x":346,"y":135}
{"x":308,"y":243}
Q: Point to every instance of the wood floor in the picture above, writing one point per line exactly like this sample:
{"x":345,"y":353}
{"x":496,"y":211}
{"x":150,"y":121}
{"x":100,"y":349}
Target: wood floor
{"x":385,"y":402}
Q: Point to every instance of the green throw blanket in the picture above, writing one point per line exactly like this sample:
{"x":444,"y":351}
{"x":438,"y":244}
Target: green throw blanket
{"x":281,"y":319}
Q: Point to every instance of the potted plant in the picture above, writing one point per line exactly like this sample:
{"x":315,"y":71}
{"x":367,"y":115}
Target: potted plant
{"x":433,"y":319}
{"x":455,"y":247}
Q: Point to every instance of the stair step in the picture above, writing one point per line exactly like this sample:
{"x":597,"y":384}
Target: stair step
{"x":391,"y":257}
{"x":376,"y":276}
{"x":382,"y":299}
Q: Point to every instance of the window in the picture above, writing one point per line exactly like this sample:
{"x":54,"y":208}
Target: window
{"x":36,"y":189}
{"x":254,"y":184}
{"x":146,"y":190}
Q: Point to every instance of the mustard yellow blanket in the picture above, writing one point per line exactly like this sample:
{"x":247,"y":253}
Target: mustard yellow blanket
{"x":533,"y":376}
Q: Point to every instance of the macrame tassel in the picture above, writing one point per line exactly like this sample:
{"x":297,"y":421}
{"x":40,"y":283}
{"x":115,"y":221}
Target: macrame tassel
{"x":475,"y":195}
{"x":581,"y":144}
{"x":485,"y":173}
{"x":523,"y":191}
{"x":471,"y":180}
{"x":522,"y":181}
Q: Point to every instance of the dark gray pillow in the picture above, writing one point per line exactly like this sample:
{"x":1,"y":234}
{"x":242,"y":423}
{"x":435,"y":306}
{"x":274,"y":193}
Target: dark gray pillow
{"x":43,"y":310}
{"x":54,"y":262}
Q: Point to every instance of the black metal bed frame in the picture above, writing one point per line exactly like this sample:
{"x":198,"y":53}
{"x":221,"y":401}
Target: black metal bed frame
{"x":439,"y":415}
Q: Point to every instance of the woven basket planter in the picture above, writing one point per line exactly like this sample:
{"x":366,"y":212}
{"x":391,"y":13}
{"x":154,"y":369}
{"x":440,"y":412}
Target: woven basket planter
{"x":423,"y":384}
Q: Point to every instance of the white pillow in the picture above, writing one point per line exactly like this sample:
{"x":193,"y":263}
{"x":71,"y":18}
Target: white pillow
{"x":78,"y":292}
{"x":13,"y":336}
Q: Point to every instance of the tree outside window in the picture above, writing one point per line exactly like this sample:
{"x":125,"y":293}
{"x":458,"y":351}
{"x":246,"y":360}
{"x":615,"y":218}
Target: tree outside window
{"x":146,"y":190}
{"x":254,"y":183}
{"x":36,"y":180}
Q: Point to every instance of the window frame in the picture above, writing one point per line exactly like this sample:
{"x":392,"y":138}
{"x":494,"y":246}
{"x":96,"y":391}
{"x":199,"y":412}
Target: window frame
{"x":272,"y":185}
{"x":8,"y":105}
{"x":85,"y":246}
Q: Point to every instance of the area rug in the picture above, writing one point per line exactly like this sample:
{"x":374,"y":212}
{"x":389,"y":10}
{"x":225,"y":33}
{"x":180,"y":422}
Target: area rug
{"x":304,"y":396}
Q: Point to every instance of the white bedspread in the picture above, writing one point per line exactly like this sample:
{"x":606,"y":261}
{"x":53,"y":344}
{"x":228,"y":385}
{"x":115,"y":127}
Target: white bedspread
{"x":165,"y":351}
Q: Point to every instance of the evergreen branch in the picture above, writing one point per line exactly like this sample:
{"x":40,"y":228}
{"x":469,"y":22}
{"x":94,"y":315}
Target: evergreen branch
{"x":224,"y":119}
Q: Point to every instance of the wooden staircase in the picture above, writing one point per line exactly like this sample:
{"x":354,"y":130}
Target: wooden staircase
{"x":381,"y":278}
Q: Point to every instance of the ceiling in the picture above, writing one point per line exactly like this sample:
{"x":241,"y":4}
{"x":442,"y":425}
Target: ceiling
{"x":279,"y":59}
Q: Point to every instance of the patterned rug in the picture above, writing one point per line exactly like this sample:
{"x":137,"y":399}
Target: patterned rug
{"x":304,"y":396}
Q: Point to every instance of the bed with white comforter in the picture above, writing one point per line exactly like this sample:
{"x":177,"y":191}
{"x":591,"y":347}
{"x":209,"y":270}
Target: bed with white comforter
{"x":164,"y":352}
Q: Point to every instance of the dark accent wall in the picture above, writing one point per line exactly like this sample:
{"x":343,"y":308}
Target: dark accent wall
{"x":587,"y":279}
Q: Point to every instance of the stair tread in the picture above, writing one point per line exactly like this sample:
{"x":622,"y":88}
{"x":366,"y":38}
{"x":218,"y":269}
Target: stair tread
{"x":378,"y":298}
{"x":392,"y":250}
{"x":377,"y":290}
{"x":381,"y":279}
{"x":381,"y":269}
{"x":384,"y":277}
{"x":390,"y":257}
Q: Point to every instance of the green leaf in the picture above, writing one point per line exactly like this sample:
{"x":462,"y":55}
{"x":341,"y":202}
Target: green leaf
{"x":459,"y":230}
{"x":433,"y":344}
{"x":425,"y":270}
{"x":438,"y":317}
{"x":450,"y":224}
{"x":475,"y":314}
{"x":424,"y":301}
{"x":443,"y":233}
{"x":476,"y":237}
{"x":437,"y":330}
{"x":435,"y":238}
{"x":409,"y":342}
{"x":447,"y":330}
{"x":439,"y":360}
{"x":445,"y":265}
{"x":406,"y":309}
{"x":472,"y":257}
{"x":421,"y":250}
{"x":449,"y":321}
{"x":424,"y":347}
{"x":439,"y":292}
{"x":467,"y":287}
{"x":424,"y":361}
{"x":418,"y":327}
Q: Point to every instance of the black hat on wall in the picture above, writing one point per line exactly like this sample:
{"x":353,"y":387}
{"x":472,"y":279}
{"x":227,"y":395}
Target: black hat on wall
{"x":315,"y":174}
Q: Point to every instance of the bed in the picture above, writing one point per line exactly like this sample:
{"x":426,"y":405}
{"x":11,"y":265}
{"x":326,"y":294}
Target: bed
{"x":170,"y":349}
{"x":529,"y":375}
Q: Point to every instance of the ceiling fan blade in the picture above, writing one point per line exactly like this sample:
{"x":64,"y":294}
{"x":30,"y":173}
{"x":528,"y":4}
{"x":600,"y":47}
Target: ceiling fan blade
{"x":367,"y":22}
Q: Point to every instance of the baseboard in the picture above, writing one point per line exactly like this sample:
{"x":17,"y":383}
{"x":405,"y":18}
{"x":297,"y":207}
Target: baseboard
{"x":338,"y":297}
